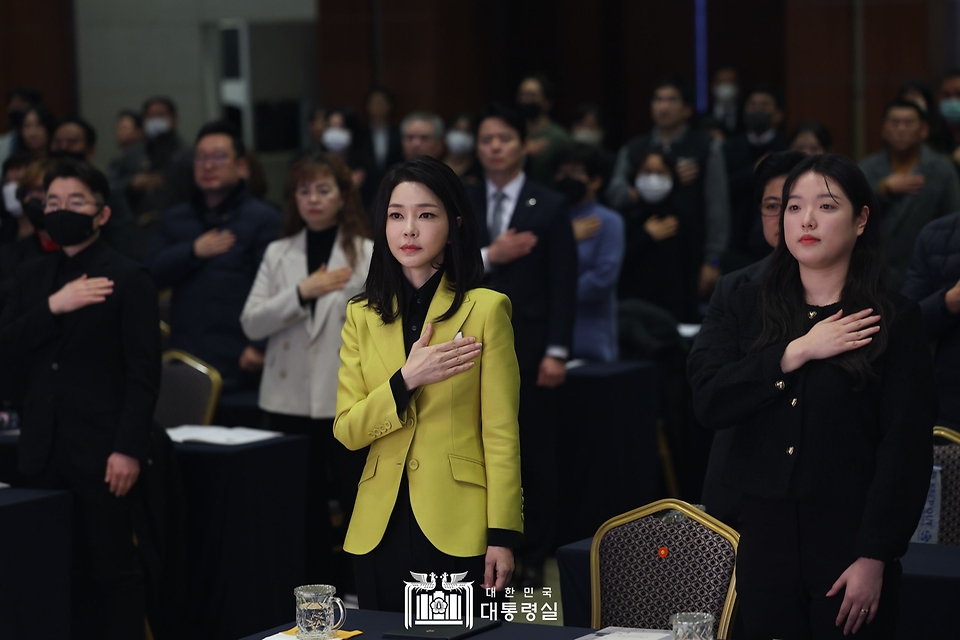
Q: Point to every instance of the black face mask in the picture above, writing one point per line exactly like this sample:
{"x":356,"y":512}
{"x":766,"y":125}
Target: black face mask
{"x":757,"y":122}
{"x":530,"y":110}
{"x":33,"y":210}
{"x":15,"y":118}
{"x":62,"y":154}
{"x":69,"y":228}
{"x":572,"y":188}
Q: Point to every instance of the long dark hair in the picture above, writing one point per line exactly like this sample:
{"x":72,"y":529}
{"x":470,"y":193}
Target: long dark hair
{"x":351,"y":218}
{"x":461,"y":259}
{"x":782,"y":297}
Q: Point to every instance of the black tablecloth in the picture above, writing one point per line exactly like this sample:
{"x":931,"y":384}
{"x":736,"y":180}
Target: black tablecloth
{"x":607,"y":445}
{"x":244,"y":510}
{"x":931,"y":588}
{"x":34,"y":564}
{"x":375,"y":623}
{"x":232,"y":541}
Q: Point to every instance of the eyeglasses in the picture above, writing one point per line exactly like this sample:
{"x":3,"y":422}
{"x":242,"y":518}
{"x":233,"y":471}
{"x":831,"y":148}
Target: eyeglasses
{"x":216,"y":159}
{"x":72,"y":205}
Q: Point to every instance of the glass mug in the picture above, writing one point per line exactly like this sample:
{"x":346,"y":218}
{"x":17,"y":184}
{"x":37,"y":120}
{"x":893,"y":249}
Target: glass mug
{"x":316,"y":611}
{"x":692,"y":626}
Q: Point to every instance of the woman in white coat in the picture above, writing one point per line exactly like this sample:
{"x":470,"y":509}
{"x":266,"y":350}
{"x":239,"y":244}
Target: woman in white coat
{"x":298,"y":302}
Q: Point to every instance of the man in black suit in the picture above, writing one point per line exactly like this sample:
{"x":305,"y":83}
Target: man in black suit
{"x":718,"y":497}
{"x":81,"y":328}
{"x":530,"y":255}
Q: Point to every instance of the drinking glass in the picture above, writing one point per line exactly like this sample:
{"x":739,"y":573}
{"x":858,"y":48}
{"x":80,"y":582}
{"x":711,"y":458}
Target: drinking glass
{"x":692,"y":626}
{"x":316,"y":611}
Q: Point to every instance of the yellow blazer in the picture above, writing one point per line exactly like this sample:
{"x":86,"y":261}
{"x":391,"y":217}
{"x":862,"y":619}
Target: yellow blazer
{"x":458,"y":440}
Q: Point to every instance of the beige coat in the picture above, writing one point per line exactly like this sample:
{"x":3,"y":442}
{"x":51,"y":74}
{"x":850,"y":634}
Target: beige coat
{"x":302,"y":359}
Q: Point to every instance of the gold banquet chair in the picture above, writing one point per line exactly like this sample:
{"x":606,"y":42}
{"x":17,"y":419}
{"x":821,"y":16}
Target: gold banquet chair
{"x":664,"y":558}
{"x":948,"y":457}
{"x":189,"y":391}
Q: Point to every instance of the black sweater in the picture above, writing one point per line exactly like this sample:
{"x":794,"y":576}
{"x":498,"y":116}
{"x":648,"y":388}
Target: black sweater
{"x":810,"y":436}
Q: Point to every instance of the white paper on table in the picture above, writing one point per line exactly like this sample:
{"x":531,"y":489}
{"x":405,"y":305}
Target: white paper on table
{"x":220,"y":435}
{"x":625,"y":633}
{"x":279,"y":636}
{"x":688,"y":330}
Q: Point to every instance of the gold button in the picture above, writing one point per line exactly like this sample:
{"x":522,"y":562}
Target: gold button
{"x":812,"y":315}
{"x":387,"y":424}
{"x":793,"y":402}
{"x":779,"y":385}
{"x":414,"y":465}
{"x":789,"y":451}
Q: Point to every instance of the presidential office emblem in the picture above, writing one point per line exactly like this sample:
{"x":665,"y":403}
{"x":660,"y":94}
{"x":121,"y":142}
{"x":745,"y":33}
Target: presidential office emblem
{"x":426,"y":605}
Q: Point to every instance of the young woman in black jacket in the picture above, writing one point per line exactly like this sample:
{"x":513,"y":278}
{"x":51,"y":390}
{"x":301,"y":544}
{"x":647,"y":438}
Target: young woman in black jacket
{"x":828,"y":382}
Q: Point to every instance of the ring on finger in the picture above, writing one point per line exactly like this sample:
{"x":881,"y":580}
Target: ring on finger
{"x":863,"y":611}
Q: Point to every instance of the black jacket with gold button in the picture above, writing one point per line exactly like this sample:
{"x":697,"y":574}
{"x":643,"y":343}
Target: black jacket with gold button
{"x":810,"y":436}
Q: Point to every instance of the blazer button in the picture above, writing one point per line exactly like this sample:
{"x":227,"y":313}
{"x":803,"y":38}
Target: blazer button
{"x":414,"y":465}
{"x":793,"y":402}
{"x":387,"y":424}
{"x":789,"y":451}
{"x":779,"y":385}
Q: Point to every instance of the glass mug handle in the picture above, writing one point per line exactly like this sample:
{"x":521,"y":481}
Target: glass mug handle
{"x":343,"y":613}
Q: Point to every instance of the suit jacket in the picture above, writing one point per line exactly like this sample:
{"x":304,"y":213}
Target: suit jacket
{"x":810,"y":435}
{"x":719,"y":497}
{"x":91,"y":377}
{"x":300,"y":370}
{"x":458,"y":440}
{"x":543,"y":284}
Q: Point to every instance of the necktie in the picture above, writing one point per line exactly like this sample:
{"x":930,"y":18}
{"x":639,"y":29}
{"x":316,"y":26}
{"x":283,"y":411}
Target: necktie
{"x":497,"y":218}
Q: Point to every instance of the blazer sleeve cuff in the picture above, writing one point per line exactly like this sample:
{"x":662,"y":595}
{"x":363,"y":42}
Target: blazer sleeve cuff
{"x":401,"y":396}
{"x":503,"y":538}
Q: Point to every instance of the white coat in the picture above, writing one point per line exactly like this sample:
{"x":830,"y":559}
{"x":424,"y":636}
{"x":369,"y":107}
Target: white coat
{"x":303,"y":350}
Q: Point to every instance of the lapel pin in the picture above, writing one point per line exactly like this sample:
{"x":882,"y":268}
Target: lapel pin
{"x":531,"y":202}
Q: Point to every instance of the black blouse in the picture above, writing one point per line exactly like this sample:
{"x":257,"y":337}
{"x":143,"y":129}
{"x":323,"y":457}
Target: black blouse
{"x":808,"y":435}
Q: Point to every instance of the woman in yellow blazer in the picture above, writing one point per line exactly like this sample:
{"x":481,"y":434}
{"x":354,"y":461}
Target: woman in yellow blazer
{"x":429,"y":382}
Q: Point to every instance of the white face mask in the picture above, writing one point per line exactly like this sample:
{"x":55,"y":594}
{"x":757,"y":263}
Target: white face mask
{"x":336,"y":139}
{"x":459,"y":142}
{"x":10,"y":202}
{"x":153,"y":127}
{"x":592,"y":137}
{"x":725,"y":92}
{"x":653,"y":187}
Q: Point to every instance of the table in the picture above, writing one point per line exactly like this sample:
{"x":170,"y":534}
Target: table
{"x":8,"y":460}
{"x":224,"y":543}
{"x":35,"y":542}
{"x":607,"y":444}
{"x":376,"y":623}
{"x":930,"y":590}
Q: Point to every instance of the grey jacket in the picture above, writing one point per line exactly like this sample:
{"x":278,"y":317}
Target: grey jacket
{"x":903,"y":216}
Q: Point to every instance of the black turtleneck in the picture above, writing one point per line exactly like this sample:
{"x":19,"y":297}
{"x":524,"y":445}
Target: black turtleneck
{"x":414,"y":304}
{"x":319,"y":248}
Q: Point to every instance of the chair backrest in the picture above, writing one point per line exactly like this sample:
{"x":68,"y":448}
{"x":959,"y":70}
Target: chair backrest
{"x":948,"y":457}
{"x":645,"y":567}
{"x":189,"y":391}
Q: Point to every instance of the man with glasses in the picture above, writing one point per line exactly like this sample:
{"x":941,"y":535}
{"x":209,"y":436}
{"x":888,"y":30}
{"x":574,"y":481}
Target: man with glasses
{"x":208,"y":251}
{"x":720,"y":498}
{"x":81,"y":329}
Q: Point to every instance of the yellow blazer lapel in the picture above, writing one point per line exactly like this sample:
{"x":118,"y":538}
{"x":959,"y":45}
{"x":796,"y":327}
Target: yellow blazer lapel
{"x":446,"y":330}
{"x":388,"y":339}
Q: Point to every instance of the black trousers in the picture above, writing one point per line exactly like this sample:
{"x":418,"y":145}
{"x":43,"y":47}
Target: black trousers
{"x":538,"y":469}
{"x":108,"y":601}
{"x":789,"y":557}
{"x":381,"y":574}
{"x":332,"y":474}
